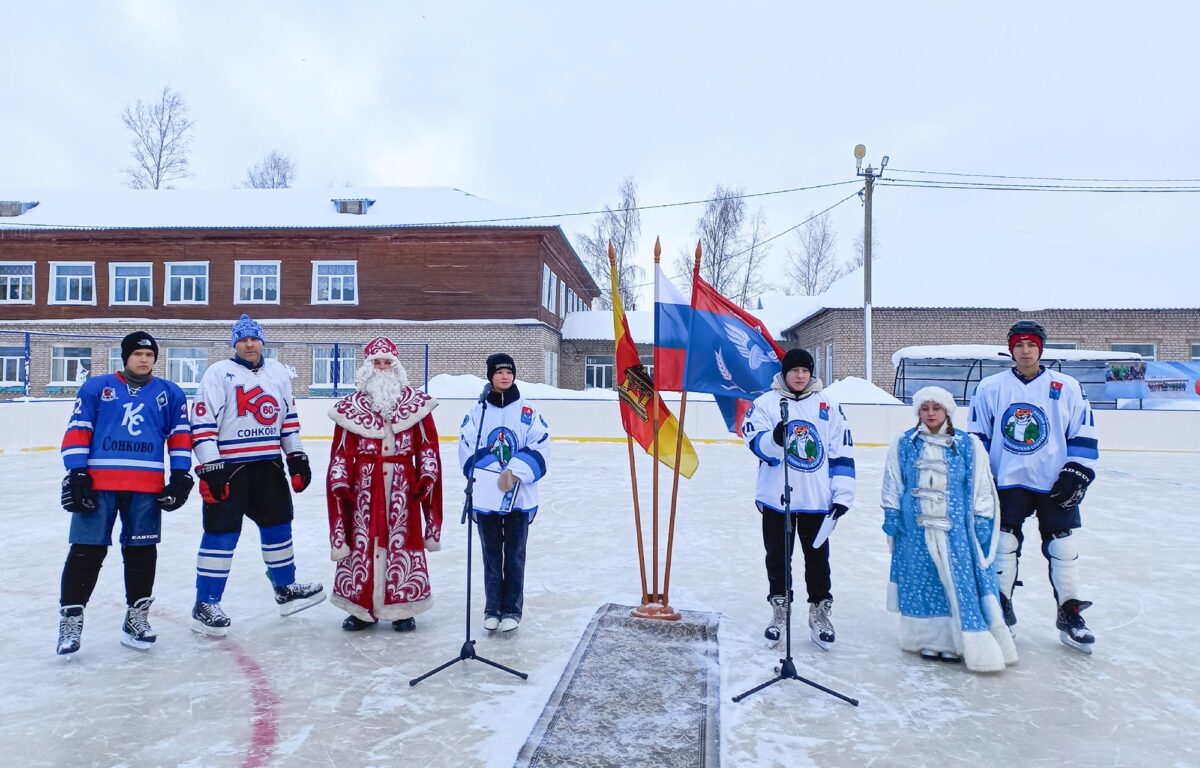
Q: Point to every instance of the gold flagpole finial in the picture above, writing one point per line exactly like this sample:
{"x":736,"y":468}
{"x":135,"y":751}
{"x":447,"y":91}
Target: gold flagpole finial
{"x":698,"y":250}
{"x":657,"y":250}
{"x":612,"y":253}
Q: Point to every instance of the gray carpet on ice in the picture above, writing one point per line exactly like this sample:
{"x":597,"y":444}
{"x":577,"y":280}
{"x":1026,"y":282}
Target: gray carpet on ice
{"x":635,"y":692}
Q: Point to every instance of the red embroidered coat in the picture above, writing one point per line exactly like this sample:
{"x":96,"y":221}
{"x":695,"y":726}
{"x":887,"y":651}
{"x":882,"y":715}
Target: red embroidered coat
{"x":384,"y":492}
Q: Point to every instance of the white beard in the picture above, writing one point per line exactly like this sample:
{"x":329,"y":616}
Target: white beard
{"x":384,"y":387}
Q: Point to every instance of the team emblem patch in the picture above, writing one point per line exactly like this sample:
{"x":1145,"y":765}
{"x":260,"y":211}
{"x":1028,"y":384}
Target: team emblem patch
{"x":824,"y":411}
{"x":161,"y":400}
{"x":1055,"y":390}
{"x":803,"y":447}
{"x":1025,"y":428}
{"x":108,"y":394}
{"x":502,"y":444}
{"x":526,"y":414}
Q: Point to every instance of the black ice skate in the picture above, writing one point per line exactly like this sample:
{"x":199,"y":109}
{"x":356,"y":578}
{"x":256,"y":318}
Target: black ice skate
{"x":1071,"y":628}
{"x":70,"y":628}
{"x":1010,"y":615}
{"x":819,"y":625}
{"x":295,"y":597}
{"x":136,"y":632}
{"x":209,"y":619}
{"x":774,"y":631}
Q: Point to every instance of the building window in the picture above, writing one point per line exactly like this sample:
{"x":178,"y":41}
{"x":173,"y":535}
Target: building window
{"x":828,"y":363}
{"x":10,"y":208}
{"x":185,"y":365}
{"x":70,"y":366}
{"x":187,"y":282}
{"x":72,"y":282}
{"x":16,"y":282}
{"x":325,"y":366}
{"x":115,"y":364}
{"x":257,"y":282}
{"x":546,"y":273}
{"x":335,"y":282}
{"x":12,"y":366}
{"x":1196,"y":353}
{"x":1147,"y":351}
{"x":129,"y":284}
{"x":647,"y":362}
{"x":562,"y":299}
{"x":1061,"y":345}
{"x":357,"y":206}
{"x":598,"y":371}
{"x":550,"y":358}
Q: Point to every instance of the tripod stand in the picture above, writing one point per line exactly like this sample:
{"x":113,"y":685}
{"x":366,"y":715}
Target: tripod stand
{"x":787,"y":667}
{"x":468,"y":647}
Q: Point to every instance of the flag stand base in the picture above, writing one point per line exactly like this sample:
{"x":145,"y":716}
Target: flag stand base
{"x":654,"y":608}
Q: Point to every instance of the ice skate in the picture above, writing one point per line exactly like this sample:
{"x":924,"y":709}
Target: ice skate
{"x":819,"y":625}
{"x":1071,"y":628}
{"x":70,"y":628}
{"x":509,"y":623}
{"x":491,"y":623}
{"x":1010,"y":615}
{"x":295,"y":597}
{"x":136,"y":632}
{"x":774,"y":631}
{"x":209,"y":619}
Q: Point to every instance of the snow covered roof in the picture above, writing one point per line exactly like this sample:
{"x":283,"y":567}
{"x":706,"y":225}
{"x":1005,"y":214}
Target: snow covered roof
{"x":256,"y":209}
{"x":994,"y":351}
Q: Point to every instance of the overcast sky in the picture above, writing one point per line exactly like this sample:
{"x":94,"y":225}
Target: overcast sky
{"x":547,"y":106}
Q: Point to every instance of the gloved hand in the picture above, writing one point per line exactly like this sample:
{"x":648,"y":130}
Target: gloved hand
{"x":507,"y":480}
{"x":1071,"y":485}
{"x":77,"y":493}
{"x":891,"y":522}
{"x":175,"y":493}
{"x":837,"y":510}
{"x":214,"y":481}
{"x":777,"y":434}
{"x":297,"y":466}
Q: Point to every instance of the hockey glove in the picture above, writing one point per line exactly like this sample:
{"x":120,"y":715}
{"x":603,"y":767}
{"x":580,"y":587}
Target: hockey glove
{"x":837,"y":510}
{"x":777,"y":434}
{"x":214,"y":482}
{"x":175,"y":493}
{"x":77,"y":493}
{"x":297,"y":465}
{"x":1071,"y":485}
{"x":507,"y":480}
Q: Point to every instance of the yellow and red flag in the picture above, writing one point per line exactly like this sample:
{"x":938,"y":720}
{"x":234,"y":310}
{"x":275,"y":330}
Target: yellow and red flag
{"x":638,"y":397}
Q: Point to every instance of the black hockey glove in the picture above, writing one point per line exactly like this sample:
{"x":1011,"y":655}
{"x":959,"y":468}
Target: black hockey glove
{"x":77,"y":493}
{"x":297,"y":465}
{"x":214,"y":481}
{"x":1071,"y":485}
{"x":837,"y":510}
{"x":777,"y":434}
{"x":175,"y":493}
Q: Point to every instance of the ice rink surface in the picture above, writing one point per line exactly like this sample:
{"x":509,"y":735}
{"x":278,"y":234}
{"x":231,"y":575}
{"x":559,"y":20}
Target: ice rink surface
{"x":301,"y":692}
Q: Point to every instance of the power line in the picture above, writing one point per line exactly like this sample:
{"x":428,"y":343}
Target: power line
{"x":1046,"y":178}
{"x":986,"y":187}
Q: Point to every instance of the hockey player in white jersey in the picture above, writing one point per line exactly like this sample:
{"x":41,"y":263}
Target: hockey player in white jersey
{"x":820,"y":454}
{"x":1041,"y":437}
{"x":243,"y":416}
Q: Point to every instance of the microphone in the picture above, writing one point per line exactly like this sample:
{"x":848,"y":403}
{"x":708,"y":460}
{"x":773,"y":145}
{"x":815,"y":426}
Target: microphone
{"x":783,"y":410}
{"x":487,"y":390}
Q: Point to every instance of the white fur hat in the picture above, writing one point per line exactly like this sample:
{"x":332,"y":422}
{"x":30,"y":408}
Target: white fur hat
{"x":936,"y":395}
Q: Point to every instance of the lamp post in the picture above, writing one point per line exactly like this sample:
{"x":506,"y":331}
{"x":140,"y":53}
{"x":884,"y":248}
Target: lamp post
{"x":869,"y":174}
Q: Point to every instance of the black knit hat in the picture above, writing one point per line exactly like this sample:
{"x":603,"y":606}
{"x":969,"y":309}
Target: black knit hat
{"x":135,"y":341}
{"x":500,"y":362}
{"x":797,"y":358}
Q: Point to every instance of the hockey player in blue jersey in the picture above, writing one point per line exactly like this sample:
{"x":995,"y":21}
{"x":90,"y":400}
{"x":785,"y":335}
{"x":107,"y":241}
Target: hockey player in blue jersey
{"x":113,"y":452}
{"x":1041,"y":437}
{"x":816,"y":443}
{"x":243,"y":416}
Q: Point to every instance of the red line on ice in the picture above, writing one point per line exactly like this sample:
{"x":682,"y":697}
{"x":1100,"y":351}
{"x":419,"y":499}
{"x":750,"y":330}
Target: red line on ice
{"x":262,"y":734}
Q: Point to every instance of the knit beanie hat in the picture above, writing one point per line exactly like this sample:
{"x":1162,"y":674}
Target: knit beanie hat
{"x":500,"y":362}
{"x":246,"y":328}
{"x":797,"y":358}
{"x":135,"y":341}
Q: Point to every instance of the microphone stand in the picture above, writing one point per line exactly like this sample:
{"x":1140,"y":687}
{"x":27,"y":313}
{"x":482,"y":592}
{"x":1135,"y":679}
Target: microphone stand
{"x":468,"y":647}
{"x":787,"y":668}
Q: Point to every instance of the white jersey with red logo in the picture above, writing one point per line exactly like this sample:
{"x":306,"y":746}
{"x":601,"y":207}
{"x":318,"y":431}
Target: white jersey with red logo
{"x":242,"y":414}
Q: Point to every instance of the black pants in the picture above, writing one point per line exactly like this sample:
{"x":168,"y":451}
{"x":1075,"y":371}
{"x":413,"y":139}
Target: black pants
{"x":81,"y":571}
{"x":258,"y":490}
{"x":816,"y":561}
{"x":1017,"y":504}
{"x":502,"y":539}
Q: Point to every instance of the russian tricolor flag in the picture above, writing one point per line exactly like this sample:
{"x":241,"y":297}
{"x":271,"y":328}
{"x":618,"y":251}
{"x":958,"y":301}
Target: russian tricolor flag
{"x":671,"y":317}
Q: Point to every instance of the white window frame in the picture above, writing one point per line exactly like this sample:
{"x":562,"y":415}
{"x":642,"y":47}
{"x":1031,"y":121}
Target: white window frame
{"x":66,"y":360}
{"x":54,"y":265}
{"x":112,"y":283}
{"x":562,"y":298}
{"x":316,"y":265}
{"x":115,"y":364}
{"x":1112,"y":347}
{"x":323,"y":356}
{"x":550,"y":360}
{"x":237,"y":280}
{"x":20,"y":369}
{"x":1195,"y":349}
{"x":828,"y":363}
{"x":546,"y":273}
{"x":167,"y":276}
{"x":32,"y":282}
{"x":173,"y":354}
{"x":610,"y":366}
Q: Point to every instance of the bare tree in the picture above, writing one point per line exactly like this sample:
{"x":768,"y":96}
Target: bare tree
{"x":620,"y":226}
{"x":276,"y":171}
{"x":723,"y":246}
{"x":858,"y":258}
{"x":161,"y":143}
{"x":752,"y":283}
{"x":812,"y":265}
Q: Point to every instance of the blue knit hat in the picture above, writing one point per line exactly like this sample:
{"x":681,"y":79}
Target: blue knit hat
{"x":244,"y":328}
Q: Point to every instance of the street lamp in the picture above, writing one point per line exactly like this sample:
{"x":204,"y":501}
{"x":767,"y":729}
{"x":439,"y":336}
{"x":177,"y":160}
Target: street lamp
{"x":869,"y":174}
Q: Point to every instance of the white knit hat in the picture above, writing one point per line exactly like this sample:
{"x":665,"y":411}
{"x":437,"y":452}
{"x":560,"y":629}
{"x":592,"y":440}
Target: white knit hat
{"x":936,"y":395}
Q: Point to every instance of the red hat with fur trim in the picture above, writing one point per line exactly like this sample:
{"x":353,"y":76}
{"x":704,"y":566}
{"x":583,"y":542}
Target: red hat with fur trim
{"x":380,"y":347}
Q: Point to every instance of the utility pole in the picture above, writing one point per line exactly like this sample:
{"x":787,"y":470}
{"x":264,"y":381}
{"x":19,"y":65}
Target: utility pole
{"x":870,"y":174}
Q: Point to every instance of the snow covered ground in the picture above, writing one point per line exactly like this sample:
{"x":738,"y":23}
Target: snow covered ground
{"x":300,"y":691}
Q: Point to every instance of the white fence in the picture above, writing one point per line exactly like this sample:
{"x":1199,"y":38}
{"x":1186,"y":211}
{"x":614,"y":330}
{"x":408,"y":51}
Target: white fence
{"x":29,"y":425}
